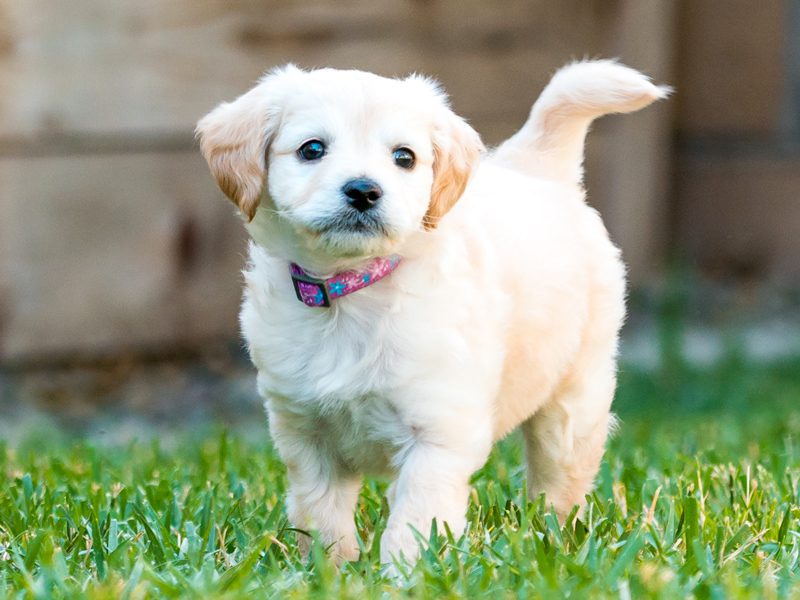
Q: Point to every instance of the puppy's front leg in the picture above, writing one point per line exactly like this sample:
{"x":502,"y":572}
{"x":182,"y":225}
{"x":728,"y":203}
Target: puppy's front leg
{"x":325,"y":504}
{"x":321,"y":495}
{"x":433,"y":483}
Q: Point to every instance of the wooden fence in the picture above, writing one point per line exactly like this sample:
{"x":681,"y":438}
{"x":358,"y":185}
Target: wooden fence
{"x":113,"y":236}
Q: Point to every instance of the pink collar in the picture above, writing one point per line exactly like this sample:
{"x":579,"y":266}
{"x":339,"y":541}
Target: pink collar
{"x":313,"y":291}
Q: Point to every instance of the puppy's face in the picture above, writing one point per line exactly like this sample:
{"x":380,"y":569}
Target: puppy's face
{"x":356,"y":162}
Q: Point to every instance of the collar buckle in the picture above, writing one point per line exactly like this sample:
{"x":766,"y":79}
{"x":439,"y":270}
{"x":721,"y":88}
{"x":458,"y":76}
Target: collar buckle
{"x":307,"y":297}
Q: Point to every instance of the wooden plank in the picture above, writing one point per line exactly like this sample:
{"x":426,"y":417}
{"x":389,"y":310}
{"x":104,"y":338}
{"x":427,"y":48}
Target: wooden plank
{"x":112,"y":233}
{"x":732,"y":67}
{"x":102,"y":66}
{"x":739,"y":215}
{"x":103,"y":253}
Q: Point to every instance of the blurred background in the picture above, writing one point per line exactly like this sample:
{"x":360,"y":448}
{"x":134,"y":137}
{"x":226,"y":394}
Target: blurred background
{"x":120,"y":259}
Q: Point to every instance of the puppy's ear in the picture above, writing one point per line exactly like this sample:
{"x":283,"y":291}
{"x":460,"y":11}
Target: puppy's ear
{"x":234,"y":138}
{"x":456,"y":151}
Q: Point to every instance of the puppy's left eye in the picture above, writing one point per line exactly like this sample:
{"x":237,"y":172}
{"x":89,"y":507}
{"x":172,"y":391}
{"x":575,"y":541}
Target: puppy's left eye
{"x":403,"y":158}
{"x":311,"y":150}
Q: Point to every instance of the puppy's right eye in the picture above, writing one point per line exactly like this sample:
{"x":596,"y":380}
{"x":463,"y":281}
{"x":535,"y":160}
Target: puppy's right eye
{"x":311,"y":150}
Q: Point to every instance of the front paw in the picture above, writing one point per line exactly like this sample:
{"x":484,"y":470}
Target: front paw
{"x":344,"y":551}
{"x":399,"y":543}
{"x":340,"y":551}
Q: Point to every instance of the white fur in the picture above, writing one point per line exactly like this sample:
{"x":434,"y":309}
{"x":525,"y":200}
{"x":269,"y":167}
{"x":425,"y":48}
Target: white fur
{"x":504,"y":313}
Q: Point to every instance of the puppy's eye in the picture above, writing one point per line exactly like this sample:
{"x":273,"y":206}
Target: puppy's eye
{"x":403,"y":158}
{"x":311,"y":150}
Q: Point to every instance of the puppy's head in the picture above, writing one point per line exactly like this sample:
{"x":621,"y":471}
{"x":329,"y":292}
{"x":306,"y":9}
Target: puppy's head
{"x":356,"y":162}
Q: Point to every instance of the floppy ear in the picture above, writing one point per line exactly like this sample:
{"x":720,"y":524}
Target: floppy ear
{"x":234,"y":138}
{"x":456,"y":150}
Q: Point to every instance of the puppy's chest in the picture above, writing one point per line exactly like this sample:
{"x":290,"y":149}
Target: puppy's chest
{"x":326,"y":364}
{"x":341,"y":382}
{"x":363,"y":434}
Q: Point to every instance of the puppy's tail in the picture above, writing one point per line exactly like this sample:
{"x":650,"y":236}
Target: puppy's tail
{"x":550,"y":144}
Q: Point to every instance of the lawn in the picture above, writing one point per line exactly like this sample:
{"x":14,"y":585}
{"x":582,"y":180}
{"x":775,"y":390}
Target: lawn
{"x":697,"y":496}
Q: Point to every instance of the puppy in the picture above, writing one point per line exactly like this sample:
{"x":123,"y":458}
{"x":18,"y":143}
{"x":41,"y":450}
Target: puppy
{"x":411,"y":298}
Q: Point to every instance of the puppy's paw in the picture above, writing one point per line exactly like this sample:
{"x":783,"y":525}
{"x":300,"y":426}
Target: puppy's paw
{"x":399,"y":543}
{"x":393,"y":573}
{"x":303,"y":544}
{"x":340,"y":551}
{"x":344,"y":550}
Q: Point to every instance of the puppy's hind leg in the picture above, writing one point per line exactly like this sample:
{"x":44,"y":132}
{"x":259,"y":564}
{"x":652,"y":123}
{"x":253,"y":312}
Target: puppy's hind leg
{"x":565,"y":439}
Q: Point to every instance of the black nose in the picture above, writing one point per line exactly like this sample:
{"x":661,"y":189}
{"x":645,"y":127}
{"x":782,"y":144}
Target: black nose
{"x":362,"y":194}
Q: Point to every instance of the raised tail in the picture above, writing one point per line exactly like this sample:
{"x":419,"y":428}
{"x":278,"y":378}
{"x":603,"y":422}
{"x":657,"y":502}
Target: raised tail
{"x":550,"y":144}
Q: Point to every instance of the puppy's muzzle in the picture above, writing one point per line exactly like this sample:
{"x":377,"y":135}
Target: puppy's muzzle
{"x":362,"y":193}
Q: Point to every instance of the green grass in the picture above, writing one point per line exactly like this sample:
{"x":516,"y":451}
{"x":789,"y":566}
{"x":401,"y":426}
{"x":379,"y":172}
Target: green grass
{"x":697,"y":496}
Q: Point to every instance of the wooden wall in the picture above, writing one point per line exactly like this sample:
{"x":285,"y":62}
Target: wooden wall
{"x":737,"y":160}
{"x":113,"y":236}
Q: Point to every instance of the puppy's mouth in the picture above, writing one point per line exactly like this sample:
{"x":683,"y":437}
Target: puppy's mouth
{"x":351,"y":222}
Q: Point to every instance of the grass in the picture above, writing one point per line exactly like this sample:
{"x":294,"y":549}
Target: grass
{"x":697,"y":496}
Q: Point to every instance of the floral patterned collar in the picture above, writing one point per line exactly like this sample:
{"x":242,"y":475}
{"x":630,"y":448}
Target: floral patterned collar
{"x":313,"y":291}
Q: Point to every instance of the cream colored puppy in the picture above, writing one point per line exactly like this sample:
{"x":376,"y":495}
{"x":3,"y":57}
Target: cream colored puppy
{"x":410,"y":298}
